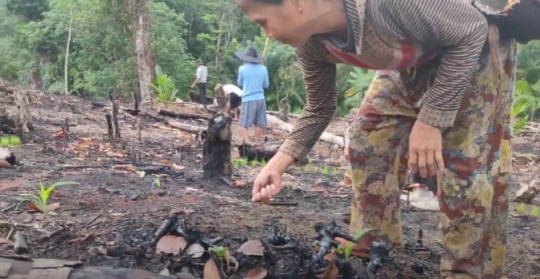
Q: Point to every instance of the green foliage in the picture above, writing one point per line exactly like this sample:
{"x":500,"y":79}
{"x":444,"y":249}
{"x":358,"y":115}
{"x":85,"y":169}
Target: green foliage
{"x":347,"y":250}
{"x":41,"y":200}
{"x":10,"y":141}
{"x":535,"y":210}
{"x":164,"y":87}
{"x":220,"y":251}
{"x":157,"y":182}
{"x":33,"y":37}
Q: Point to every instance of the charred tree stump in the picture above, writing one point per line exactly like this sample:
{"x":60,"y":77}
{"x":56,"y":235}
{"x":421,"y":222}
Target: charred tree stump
{"x":110,"y":130}
{"x":65,"y":128}
{"x":114,"y":116}
{"x":24,"y":118}
{"x":217,"y":148}
{"x":7,"y":125}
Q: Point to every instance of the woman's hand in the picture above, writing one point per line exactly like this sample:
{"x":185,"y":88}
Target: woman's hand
{"x":425,"y":149}
{"x":268,"y":181}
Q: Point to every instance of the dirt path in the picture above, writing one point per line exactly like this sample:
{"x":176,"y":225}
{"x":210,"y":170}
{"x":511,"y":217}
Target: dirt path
{"x":111,"y":211}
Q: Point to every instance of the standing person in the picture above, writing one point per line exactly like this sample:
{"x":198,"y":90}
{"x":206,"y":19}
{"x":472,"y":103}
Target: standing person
{"x":233,"y":96}
{"x":439,"y":78}
{"x":200,"y":81}
{"x":253,"y":78}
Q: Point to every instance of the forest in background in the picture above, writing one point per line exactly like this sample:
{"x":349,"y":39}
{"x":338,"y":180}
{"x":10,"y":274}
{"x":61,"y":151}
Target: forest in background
{"x":102,"y":59}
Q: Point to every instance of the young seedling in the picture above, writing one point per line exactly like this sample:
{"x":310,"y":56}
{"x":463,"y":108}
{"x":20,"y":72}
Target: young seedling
{"x":347,"y":250}
{"x":253,"y":163}
{"x":4,"y":142}
{"x":263,"y":163}
{"x":335,"y":172}
{"x":325,"y":170}
{"x":157,"y":182}
{"x":41,"y":201}
{"x":14,"y":141}
{"x":219,"y":251}
{"x":535,"y":211}
{"x":521,"y":208}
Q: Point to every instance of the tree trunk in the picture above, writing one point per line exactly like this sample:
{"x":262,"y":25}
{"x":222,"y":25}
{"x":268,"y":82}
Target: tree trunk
{"x":37,"y":80}
{"x":217,"y":148}
{"x":145,"y":65}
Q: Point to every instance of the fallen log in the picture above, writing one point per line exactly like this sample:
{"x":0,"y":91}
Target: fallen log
{"x":277,"y":113}
{"x":275,"y":123}
{"x":18,"y":267}
{"x":185,"y":127}
{"x":183,"y":115}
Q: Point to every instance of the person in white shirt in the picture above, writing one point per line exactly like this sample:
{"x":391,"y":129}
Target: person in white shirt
{"x":200,"y":81}
{"x":233,"y":95}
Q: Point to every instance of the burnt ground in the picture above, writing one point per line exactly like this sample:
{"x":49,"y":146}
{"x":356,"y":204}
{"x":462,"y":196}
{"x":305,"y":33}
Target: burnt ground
{"x":113,"y":206}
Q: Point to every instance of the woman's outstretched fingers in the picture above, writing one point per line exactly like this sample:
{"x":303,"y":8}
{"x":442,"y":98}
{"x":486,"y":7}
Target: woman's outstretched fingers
{"x":413,"y":161}
{"x":430,"y":162}
{"x":422,"y":163}
{"x":439,"y":159}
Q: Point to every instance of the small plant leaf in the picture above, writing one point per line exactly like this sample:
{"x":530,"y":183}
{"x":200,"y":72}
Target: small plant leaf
{"x":521,"y":208}
{"x":535,"y":211}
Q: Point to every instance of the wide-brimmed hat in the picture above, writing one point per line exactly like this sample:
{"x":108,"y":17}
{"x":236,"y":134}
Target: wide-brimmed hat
{"x":250,"y":56}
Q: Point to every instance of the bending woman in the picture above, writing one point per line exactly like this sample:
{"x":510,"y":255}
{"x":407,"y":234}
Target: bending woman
{"x":440,"y":104}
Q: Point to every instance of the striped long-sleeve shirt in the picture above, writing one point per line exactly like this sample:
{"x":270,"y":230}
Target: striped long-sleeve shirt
{"x":392,"y":35}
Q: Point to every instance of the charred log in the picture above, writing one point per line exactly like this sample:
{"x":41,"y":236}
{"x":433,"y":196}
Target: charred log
{"x":217,"y":148}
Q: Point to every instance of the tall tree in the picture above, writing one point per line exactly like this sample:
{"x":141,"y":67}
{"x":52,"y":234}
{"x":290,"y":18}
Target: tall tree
{"x":140,"y":19}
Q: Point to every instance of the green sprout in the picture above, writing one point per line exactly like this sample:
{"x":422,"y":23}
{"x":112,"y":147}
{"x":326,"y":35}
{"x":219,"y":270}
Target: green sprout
{"x":347,"y":250}
{"x":535,"y":211}
{"x":220,"y":251}
{"x":157,"y":182}
{"x":253,"y":163}
{"x":4,"y":141}
{"x":242,"y":162}
{"x":521,"y":208}
{"x":325,"y":170}
{"x":41,"y":201}
{"x":335,"y":171}
{"x":14,"y":141}
{"x":263,"y":163}
{"x":10,"y":141}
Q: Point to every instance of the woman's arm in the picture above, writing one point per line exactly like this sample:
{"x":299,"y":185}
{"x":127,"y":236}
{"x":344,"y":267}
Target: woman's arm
{"x":454,"y":25}
{"x":320,"y":81}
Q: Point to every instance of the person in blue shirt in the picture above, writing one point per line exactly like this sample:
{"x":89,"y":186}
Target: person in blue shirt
{"x":253,"y":79}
